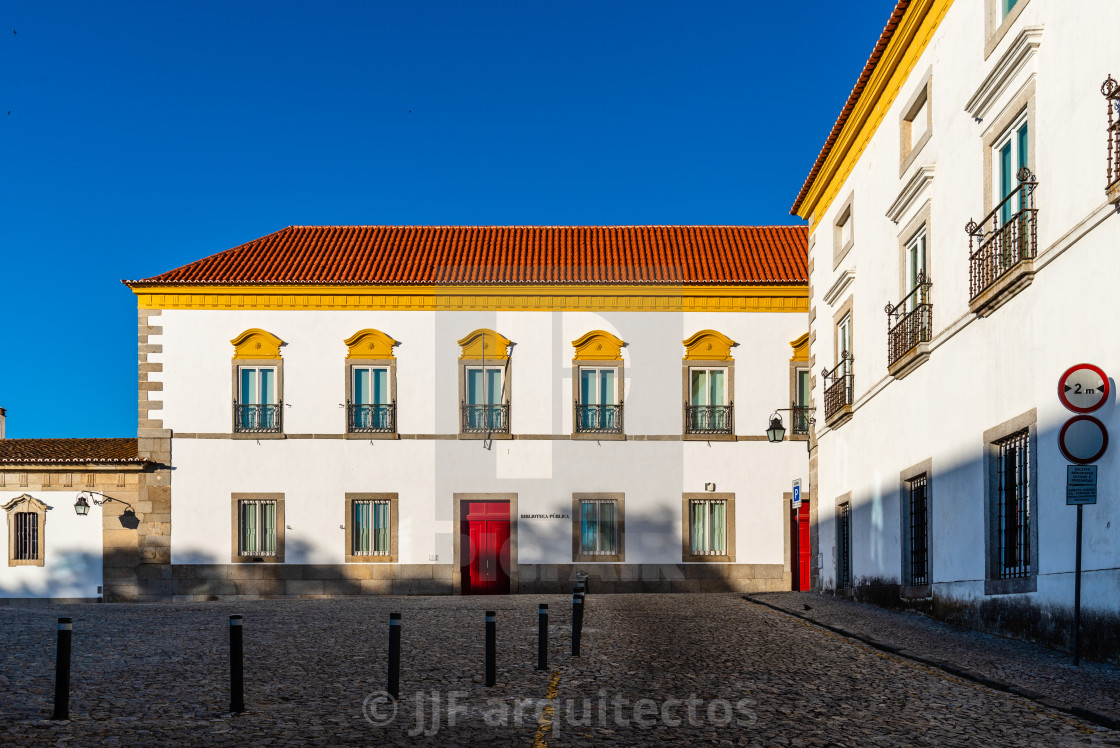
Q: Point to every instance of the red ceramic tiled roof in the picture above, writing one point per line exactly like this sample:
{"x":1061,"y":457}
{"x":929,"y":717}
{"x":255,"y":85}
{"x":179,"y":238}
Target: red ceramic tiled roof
{"x":68,"y":450}
{"x":422,"y":255}
{"x":853,"y":97}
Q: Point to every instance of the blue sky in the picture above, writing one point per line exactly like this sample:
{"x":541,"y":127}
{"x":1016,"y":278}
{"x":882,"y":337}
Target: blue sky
{"x":142,"y":136}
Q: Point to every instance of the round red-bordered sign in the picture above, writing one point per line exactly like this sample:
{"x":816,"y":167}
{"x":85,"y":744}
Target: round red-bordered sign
{"x":1083,"y":440}
{"x":1083,"y":388}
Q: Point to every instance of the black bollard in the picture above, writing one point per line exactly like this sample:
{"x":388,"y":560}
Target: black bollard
{"x":236,"y":666}
{"x":62,"y":670}
{"x":577,"y":621}
{"x":491,"y":646}
{"x":542,"y":637}
{"x":394,"y":688}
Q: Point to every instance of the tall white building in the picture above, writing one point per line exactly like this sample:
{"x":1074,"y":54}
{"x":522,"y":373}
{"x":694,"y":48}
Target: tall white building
{"x":962,"y":255}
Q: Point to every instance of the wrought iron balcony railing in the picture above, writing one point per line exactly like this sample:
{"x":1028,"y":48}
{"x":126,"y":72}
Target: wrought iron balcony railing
{"x":256,"y":419}
{"x":838,"y":385}
{"x":1003,"y":239}
{"x":598,"y":419}
{"x":709,"y":419}
{"x":1111,"y":91}
{"x":485,"y":419}
{"x":800,"y":416}
{"x":377,"y":419}
{"x":910,"y":321}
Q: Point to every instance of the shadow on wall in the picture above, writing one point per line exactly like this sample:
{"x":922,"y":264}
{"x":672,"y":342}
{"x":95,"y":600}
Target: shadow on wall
{"x":960,"y":512}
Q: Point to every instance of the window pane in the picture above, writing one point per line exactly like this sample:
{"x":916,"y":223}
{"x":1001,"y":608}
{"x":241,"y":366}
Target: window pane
{"x":474,"y":386}
{"x":268,"y":527}
{"x":719,"y":527}
{"x":716,"y":391}
{"x":249,"y":386}
{"x":361,"y":386}
{"x":268,"y":386}
{"x":380,"y":386}
{"x":381,"y":526}
{"x":699,"y":527}
{"x":589,"y":526}
{"x":802,"y":387}
{"x":606,"y":387}
{"x":699,"y":387}
{"x":361,"y":527}
{"x":248,"y":527}
{"x":587,"y":386}
{"x":607,"y":532}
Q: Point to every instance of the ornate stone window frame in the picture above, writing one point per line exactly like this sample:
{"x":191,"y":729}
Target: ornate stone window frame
{"x":485,"y":348}
{"x":707,"y":349}
{"x":686,"y":530}
{"x":599,"y":349}
{"x":27,"y":504}
{"x":371,"y":348}
{"x":619,"y":500}
{"x":256,"y":348}
{"x":235,"y":528}
{"x":394,"y":514}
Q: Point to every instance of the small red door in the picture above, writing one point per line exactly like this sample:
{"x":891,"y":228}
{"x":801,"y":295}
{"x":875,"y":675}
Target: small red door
{"x":486,"y":534}
{"x":800,"y":549}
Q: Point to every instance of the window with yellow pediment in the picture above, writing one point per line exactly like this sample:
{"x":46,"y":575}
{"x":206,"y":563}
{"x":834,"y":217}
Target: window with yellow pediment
{"x":371,"y":385}
{"x":258,"y":383}
{"x":709,"y":386}
{"x":598,"y":385}
{"x":484,"y":385}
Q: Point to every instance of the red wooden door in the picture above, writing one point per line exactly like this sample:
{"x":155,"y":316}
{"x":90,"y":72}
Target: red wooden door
{"x":804,"y":550}
{"x":800,"y":550}
{"x":487,"y":534}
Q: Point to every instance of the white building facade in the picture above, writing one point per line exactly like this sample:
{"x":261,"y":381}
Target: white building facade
{"x":936,"y":349}
{"x":356,"y":410}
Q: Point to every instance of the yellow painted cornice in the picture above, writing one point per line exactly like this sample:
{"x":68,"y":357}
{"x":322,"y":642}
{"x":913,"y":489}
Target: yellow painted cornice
{"x":598,"y":345}
{"x":256,"y":344}
{"x":800,"y":348}
{"x":559,"y":297}
{"x":708,"y":345}
{"x":484,"y":344}
{"x":897,"y":62}
{"x":369,"y":343}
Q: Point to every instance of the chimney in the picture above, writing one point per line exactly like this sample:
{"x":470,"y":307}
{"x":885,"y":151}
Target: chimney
{"x":3,"y":415}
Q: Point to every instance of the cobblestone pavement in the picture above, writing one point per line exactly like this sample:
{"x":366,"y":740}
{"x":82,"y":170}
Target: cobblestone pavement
{"x":656,"y":670}
{"x":1025,"y":667}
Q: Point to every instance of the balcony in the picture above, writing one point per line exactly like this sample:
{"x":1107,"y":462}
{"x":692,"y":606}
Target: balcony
{"x":838,"y":390}
{"x":1002,"y":249}
{"x":800,"y":416}
{"x":371,"y":419}
{"x":1111,"y":92}
{"x":709,"y":420}
{"x":598,"y":419}
{"x":485,"y":419}
{"x":256,"y":419}
{"x":909,"y":330}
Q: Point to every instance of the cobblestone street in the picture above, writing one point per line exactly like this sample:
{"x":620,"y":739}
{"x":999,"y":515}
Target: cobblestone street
{"x":656,"y":669}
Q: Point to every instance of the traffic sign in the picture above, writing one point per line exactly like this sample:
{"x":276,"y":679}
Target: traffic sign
{"x":797,"y":493}
{"x":1083,"y":388}
{"x":1083,"y":439}
{"x":1081,"y":484}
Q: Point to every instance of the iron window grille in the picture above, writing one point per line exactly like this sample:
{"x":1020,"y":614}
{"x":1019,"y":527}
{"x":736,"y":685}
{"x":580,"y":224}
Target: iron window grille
{"x":844,"y":543}
{"x":910,"y":321}
{"x":485,"y":419}
{"x":248,"y":419}
{"x":1110,"y":89}
{"x":26,"y":537}
{"x":371,"y":534}
{"x":1002,"y":240}
{"x":838,"y":383}
{"x":1014,"y":506}
{"x":709,"y":419}
{"x":258,"y":527}
{"x":598,"y":527}
{"x":800,"y":417}
{"x":919,"y":528}
{"x":604,"y":419}
{"x":708,"y":527}
{"x":371,"y":418}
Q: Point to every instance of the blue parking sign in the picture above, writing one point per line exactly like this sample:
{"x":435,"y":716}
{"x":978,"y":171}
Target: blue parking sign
{"x":797,"y":494}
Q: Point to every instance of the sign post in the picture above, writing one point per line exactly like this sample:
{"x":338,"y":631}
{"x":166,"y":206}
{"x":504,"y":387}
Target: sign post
{"x":1083,"y":440}
{"x":797,"y":493}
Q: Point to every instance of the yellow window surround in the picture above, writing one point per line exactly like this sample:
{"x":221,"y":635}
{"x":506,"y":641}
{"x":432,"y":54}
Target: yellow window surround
{"x":370,"y":344}
{"x":598,"y":345}
{"x":708,"y":345}
{"x":484,"y":343}
{"x":256,"y":344}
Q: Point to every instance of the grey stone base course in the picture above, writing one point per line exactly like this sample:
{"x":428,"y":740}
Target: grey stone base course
{"x":42,"y":602}
{"x":203,"y":582}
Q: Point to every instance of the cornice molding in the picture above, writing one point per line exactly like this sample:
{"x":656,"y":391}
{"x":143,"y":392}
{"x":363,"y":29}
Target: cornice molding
{"x":842,"y":283}
{"x":1010,"y":64}
{"x":914,"y":188}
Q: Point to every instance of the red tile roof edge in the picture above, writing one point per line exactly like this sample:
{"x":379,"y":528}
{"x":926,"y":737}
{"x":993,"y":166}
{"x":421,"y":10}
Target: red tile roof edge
{"x":853,"y":97}
{"x":70,"y":451}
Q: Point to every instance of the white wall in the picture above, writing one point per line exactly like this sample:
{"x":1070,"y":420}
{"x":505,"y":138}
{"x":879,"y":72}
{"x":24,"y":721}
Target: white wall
{"x":72,"y":561}
{"x":982,"y":372}
{"x":315,"y":474}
